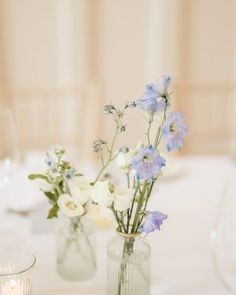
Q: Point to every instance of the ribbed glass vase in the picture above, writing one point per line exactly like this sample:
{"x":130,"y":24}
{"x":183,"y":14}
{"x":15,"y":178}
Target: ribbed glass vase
{"x":76,"y":259}
{"x":128,"y":270}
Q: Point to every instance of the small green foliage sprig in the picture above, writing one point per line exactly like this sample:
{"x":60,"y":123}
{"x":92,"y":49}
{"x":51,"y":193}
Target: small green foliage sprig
{"x":55,"y":177}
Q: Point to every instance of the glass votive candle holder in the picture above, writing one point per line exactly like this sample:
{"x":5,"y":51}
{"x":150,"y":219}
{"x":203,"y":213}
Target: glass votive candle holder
{"x":16,"y":271}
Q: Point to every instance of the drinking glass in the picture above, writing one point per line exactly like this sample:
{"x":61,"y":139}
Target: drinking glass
{"x":8,"y":145}
{"x":16,"y":271}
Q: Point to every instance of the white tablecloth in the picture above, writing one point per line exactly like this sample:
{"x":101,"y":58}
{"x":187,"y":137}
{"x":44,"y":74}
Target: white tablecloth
{"x":181,"y":254}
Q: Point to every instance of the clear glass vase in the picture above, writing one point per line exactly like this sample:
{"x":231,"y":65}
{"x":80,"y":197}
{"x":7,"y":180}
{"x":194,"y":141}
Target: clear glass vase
{"x":76,"y":260}
{"x":128,"y":269}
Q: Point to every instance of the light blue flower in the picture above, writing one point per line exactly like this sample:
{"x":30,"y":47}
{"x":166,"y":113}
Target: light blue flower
{"x":51,"y":161}
{"x":153,"y":221}
{"x":174,"y":131}
{"x":163,"y":85}
{"x":70,"y":174}
{"x":151,"y":105}
{"x":147,"y":163}
{"x":155,"y":96}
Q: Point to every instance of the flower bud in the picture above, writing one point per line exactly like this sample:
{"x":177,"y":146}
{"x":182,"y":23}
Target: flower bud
{"x":98,"y":145}
{"x":130,"y":105}
{"x":124,"y":149}
{"x":122,"y":128}
{"x":109,"y":109}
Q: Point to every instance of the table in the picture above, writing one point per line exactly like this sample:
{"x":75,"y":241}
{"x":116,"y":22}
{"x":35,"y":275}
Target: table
{"x":181,"y":251}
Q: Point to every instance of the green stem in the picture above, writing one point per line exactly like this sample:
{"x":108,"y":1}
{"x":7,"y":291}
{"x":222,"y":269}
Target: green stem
{"x":100,"y":172}
{"x":149,"y":128}
{"x":120,"y":224}
{"x":59,"y":190}
{"x":128,"y":180}
{"x":158,"y":135}
{"x":128,"y":249}
{"x":102,"y":159}
{"x":131,"y":210}
{"x":110,"y":156}
{"x":145,"y":205}
{"x":139,"y":207}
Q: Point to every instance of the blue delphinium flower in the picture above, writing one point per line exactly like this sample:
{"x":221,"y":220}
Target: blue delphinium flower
{"x":163,"y":85}
{"x":153,"y":221}
{"x":151,"y":105}
{"x":147,"y":163}
{"x":174,"y":131}
{"x":154,"y":99}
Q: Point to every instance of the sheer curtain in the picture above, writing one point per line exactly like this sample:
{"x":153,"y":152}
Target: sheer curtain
{"x":47,"y":73}
{"x":198,"y":48}
{"x":61,"y":60}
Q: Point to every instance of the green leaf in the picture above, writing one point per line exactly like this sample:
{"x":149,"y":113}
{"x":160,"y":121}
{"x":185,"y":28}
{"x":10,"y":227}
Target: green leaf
{"x":37,"y":176}
{"x":53,"y":211}
{"x":52,"y":197}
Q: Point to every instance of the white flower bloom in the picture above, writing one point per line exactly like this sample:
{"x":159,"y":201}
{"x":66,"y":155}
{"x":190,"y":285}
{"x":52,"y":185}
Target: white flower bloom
{"x":122,"y":198}
{"x":106,"y":213}
{"x":69,"y":206}
{"x":101,"y":194}
{"x":80,"y":190}
{"x":123,"y":159}
{"x":43,"y":185}
{"x":51,"y":162}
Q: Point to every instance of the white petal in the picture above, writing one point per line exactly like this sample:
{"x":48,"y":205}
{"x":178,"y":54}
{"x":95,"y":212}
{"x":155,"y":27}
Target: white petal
{"x":101,"y":194}
{"x":123,"y":198}
{"x":70,"y":207}
{"x":80,"y":190}
{"x":123,"y":160}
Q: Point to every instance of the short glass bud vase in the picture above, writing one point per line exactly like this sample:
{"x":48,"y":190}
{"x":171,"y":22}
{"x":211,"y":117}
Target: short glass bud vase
{"x":76,"y":260}
{"x":128,"y":269}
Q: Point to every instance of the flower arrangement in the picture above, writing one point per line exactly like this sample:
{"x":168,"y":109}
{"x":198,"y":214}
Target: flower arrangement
{"x":58,"y":183}
{"x":68,"y":195}
{"x":142,"y":166}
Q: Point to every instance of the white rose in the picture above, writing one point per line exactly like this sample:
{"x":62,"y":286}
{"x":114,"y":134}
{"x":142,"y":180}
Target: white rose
{"x":101,"y":194}
{"x":123,"y":159}
{"x":69,"y":206}
{"x":122,"y":198}
{"x":80,"y":190}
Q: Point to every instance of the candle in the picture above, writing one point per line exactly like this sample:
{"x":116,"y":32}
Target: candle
{"x":16,"y":271}
{"x":13,"y":287}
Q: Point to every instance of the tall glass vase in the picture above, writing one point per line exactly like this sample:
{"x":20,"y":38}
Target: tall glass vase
{"x":76,"y":259}
{"x":128,"y":268}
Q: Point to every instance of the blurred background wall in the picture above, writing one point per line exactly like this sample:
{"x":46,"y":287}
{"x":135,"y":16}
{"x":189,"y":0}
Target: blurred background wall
{"x":62,"y":60}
